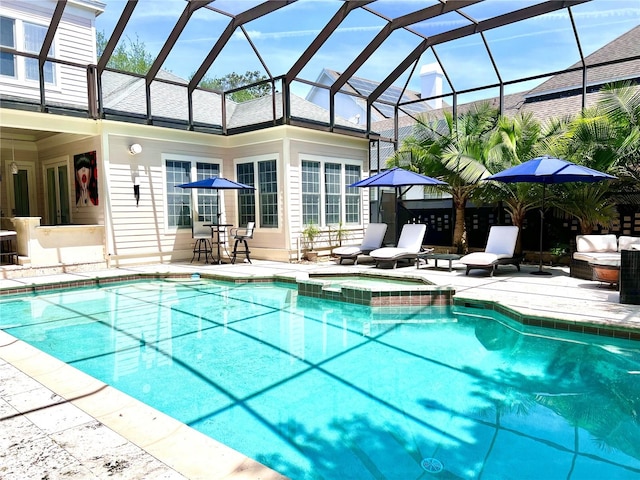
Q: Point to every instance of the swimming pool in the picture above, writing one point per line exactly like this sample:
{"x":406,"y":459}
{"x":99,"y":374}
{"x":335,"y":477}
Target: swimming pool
{"x":320,"y":389}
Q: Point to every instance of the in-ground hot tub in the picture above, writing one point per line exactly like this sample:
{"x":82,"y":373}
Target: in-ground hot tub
{"x":376,"y":290}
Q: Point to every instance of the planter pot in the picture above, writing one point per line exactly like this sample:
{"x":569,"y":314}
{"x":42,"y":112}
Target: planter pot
{"x":311,"y":256}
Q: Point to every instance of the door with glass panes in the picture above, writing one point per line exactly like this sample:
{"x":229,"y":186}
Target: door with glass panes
{"x":57,"y":193}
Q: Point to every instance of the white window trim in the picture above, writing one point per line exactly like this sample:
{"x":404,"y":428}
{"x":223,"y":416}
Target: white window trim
{"x":343,"y":187}
{"x":282,"y":187}
{"x":21,"y":71}
{"x":193,"y":160}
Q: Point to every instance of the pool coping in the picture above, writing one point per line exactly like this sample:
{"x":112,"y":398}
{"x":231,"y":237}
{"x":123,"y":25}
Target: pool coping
{"x":170,"y":441}
{"x":424,"y":294}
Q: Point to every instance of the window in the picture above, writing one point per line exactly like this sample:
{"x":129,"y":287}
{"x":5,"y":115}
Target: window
{"x":33,"y":40}
{"x":332,"y":187}
{"x":266,"y":193}
{"x":246,"y":198}
{"x":352,"y":194}
{"x":341,"y":203}
{"x":208,"y":209}
{"x":7,"y":39}
{"x":179,"y":200}
{"x":310,"y":192}
{"x":25,"y":37}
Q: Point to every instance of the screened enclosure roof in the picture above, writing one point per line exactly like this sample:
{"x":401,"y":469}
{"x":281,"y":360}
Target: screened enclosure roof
{"x":476,"y":43}
{"x":344,"y":57}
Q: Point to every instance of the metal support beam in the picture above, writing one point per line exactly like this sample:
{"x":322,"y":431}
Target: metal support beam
{"x":115,"y":35}
{"x":189,"y":9}
{"x":245,"y":17}
{"x":323,"y":36}
{"x":46,"y":46}
{"x":482,"y":26}
{"x":396,"y":23}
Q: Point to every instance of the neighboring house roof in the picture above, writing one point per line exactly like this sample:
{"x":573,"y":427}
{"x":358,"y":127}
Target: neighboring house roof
{"x":364,"y":87}
{"x":625,"y":46}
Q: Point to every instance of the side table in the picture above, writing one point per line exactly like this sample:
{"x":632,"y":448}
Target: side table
{"x":437,"y":256}
{"x":630,"y":276}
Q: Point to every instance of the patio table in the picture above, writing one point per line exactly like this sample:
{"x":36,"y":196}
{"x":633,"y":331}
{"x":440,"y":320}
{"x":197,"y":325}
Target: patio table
{"x":437,"y":256}
{"x":218,"y":228}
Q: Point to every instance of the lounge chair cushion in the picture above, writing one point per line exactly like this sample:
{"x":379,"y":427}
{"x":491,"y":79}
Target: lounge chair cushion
{"x":389,"y":253}
{"x":596,"y":243}
{"x":501,"y":245}
{"x":373,"y":238}
{"x":626,"y":242}
{"x":483,"y":258}
{"x":347,"y":251}
{"x":409,"y":245}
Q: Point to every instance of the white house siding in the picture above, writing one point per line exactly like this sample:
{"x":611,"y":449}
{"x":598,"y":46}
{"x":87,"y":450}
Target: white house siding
{"x":74,"y":42}
{"x":270,"y":243}
{"x":312,"y":146}
{"x":139,"y":234}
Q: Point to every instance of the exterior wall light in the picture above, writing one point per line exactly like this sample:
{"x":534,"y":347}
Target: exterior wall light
{"x":135,"y":149}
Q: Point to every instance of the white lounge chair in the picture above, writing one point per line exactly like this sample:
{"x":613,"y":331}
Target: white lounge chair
{"x":499,"y":250}
{"x":409,"y":246}
{"x":373,"y":238}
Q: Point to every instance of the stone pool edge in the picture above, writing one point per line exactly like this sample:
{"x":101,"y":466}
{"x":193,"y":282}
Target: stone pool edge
{"x":420,"y":295}
{"x":176,"y":445}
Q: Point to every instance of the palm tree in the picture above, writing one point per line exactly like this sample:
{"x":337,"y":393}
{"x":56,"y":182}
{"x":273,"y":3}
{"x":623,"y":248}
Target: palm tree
{"x":455,"y":151}
{"x":607,"y":138}
{"x":514,"y":141}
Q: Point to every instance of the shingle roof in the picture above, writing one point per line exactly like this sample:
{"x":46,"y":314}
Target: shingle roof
{"x":625,"y":46}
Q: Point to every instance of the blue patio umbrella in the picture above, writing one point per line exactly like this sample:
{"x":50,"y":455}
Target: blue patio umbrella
{"x":217,"y":183}
{"x":397,"y":177}
{"x":548,"y":170}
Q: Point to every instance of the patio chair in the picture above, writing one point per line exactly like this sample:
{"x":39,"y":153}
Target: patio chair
{"x":242,"y":235}
{"x":499,"y":250}
{"x":408,"y":248}
{"x":372,"y":240}
{"x":201,"y":232}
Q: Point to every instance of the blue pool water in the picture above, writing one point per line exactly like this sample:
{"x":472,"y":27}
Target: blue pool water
{"x":330,"y":390}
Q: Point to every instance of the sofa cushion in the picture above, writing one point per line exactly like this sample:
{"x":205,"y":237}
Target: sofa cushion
{"x":626,"y":242}
{"x":596,"y":243}
{"x":589,"y":256}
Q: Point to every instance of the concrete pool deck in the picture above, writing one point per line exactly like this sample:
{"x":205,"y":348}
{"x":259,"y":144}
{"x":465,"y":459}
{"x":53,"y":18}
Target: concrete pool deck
{"x":59,"y":423}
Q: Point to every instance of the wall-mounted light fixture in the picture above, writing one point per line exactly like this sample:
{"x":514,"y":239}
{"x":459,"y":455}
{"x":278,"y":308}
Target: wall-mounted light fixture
{"x":13,"y":165}
{"x":135,"y":149}
{"x":136,"y":189}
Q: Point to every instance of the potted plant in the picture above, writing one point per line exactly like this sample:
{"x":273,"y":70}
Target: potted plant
{"x":557,"y":252}
{"x":310,"y":232}
{"x":340,"y":233}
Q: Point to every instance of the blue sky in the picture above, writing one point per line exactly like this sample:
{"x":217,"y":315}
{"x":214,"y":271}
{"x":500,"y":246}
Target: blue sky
{"x":524,"y":49}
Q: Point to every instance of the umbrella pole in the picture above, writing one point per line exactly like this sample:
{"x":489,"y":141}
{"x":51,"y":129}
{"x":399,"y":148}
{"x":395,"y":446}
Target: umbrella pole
{"x":397,"y":227}
{"x":540,"y":271}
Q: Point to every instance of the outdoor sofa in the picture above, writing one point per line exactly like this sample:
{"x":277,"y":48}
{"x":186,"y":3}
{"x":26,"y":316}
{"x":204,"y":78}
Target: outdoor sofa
{"x":590,"y":248}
